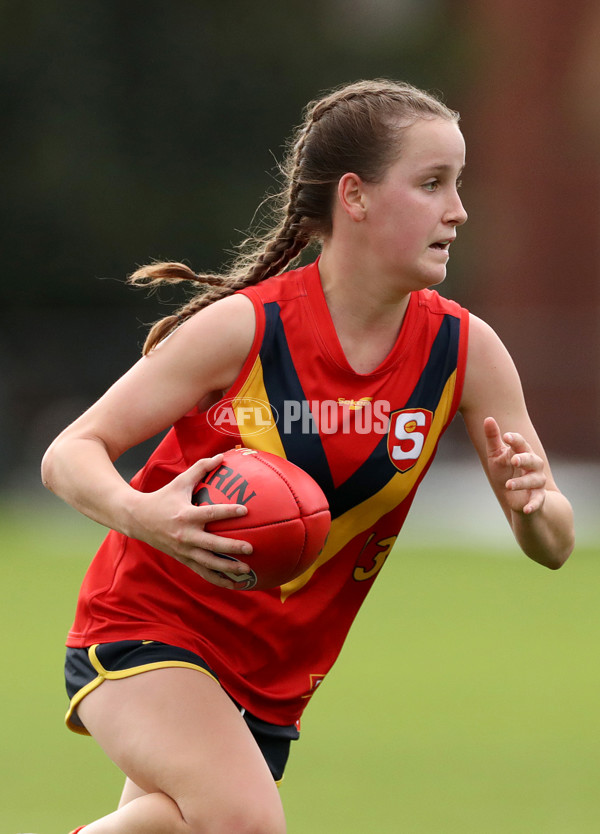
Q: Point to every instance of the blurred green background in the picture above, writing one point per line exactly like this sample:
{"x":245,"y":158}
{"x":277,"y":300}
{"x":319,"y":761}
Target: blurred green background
{"x":465,"y":700}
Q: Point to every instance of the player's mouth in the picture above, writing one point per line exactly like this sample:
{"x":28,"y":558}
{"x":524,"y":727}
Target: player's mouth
{"x":442,"y":245}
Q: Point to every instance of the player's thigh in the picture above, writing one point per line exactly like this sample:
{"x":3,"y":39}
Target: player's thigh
{"x":176,"y":731}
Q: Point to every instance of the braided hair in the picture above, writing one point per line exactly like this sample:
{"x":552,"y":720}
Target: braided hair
{"x":355,"y":128}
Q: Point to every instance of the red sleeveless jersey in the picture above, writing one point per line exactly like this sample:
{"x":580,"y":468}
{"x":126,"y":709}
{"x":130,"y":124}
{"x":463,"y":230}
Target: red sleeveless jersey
{"x":367,"y":439}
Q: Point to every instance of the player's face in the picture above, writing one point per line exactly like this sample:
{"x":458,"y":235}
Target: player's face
{"x":414,"y":210}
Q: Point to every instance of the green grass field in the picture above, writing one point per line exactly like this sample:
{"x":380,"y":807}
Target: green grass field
{"x":465,"y":700}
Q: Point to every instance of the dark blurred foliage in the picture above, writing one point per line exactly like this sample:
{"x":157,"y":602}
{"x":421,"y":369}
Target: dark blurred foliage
{"x":146,"y":129}
{"x":138,"y":130}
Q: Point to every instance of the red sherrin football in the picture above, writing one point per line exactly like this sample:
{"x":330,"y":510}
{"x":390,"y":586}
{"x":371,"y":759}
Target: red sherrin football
{"x":288,"y":515}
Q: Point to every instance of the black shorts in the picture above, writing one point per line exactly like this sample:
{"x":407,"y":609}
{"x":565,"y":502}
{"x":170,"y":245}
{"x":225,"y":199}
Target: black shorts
{"x":85,"y":669}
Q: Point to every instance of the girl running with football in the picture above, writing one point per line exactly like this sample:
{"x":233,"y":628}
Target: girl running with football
{"x":193,"y":689}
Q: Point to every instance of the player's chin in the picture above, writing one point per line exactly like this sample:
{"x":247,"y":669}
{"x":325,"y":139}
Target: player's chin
{"x":432,"y":277}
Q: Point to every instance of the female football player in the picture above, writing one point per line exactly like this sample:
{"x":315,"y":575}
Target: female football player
{"x":195,"y":690}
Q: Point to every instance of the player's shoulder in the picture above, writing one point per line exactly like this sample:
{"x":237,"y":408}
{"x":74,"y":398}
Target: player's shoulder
{"x":226,"y":328}
{"x":290,"y":285}
{"x":234,"y":313}
{"x":483,"y":338}
{"x":433,"y":302}
{"x":490,"y":367}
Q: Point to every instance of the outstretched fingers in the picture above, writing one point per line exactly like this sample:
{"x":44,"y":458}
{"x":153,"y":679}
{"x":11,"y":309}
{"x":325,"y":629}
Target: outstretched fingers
{"x":515,"y":467}
{"x":528,"y":479}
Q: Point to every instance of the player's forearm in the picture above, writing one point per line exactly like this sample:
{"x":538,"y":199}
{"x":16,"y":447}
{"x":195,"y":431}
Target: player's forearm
{"x":80,"y":471}
{"x":547,"y":536}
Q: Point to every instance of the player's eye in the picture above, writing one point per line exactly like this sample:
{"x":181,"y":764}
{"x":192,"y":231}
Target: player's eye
{"x":432,"y":185}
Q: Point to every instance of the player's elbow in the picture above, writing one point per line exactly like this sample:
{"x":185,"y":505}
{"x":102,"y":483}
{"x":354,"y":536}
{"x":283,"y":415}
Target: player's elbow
{"x":48,"y":466}
{"x":53,"y":462}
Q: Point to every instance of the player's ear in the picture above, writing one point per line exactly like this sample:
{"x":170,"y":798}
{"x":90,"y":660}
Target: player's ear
{"x":351,"y":196}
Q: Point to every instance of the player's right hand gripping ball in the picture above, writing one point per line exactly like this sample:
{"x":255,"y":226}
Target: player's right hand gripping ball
{"x":288,"y":515}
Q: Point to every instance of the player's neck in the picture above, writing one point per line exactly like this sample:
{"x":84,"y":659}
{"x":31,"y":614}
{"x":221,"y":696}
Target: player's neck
{"x":367,"y":319}
{"x":355,"y":294}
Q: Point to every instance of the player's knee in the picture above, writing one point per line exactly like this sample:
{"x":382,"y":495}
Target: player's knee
{"x":255,"y":817}
{"x":255,"y":821}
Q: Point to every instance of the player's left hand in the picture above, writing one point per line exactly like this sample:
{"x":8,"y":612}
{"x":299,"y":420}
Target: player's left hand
{"x":515,"y":469}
